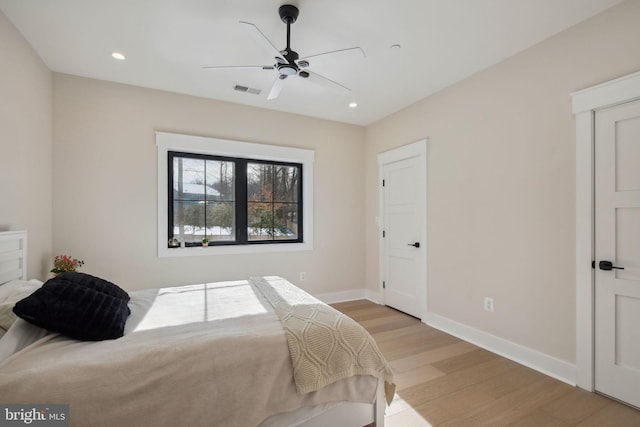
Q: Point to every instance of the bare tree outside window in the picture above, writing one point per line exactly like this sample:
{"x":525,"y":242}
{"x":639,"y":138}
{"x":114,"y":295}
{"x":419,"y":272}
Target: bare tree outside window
{"x":272,"y":201}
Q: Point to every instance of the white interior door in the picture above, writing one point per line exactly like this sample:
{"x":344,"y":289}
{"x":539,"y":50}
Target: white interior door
{"x":404,"y":233}
{"x":617,"y":247}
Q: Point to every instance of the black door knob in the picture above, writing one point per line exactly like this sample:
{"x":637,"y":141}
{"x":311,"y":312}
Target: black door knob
{"x":608,"y":265}
{"x":415,"y":245}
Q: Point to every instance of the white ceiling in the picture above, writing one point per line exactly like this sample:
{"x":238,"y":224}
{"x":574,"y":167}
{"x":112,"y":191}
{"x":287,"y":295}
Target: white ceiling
{"x":167,"y":42}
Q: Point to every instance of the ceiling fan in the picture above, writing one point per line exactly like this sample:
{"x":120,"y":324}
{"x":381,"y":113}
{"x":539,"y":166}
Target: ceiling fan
{"x":288,"y":62}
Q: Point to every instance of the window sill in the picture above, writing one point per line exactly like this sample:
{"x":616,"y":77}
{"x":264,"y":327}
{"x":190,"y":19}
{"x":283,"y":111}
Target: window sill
{"x":233,"y":249}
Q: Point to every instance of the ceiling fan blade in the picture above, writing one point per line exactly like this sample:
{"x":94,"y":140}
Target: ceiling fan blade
{"x":335,"y":55}
{"x":263,"y":41}
{"x":230,"y":67}
{"x":328,"y":83}
{"x":276,"y":88}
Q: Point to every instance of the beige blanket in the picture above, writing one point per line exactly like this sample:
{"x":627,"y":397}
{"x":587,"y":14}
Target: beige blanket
{"x":325,"y":345}
{"x":203,"y":355}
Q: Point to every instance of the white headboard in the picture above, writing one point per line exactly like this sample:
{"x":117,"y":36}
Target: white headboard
{"x":13,"y":255}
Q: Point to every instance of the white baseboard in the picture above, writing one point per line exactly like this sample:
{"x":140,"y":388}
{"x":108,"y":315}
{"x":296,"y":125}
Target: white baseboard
{"x":350,"y":295}
{"x":541,"y":362}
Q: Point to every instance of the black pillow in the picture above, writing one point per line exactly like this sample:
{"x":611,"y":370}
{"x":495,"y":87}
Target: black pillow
{"x":78,"y":305}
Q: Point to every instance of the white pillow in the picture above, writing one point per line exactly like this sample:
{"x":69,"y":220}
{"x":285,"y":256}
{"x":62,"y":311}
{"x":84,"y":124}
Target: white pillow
{"x":10,"y":294}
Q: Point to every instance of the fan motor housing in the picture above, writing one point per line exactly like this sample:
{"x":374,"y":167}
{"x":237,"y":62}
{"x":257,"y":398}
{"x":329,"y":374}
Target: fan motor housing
{"x":288,"y":13}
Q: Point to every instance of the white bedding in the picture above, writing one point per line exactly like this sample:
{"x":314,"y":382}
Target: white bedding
{"x":202,"y":355}
{"x":10,"y":293}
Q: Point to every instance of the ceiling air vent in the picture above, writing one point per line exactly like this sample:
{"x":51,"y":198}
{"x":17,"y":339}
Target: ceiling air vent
{"x":246,"y":89}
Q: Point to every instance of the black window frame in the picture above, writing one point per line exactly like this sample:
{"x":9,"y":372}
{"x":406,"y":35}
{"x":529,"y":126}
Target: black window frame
{"x":240,"y":196}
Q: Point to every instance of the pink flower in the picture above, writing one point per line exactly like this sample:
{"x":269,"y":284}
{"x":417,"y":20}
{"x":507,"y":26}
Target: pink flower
{"x":63,"y":263}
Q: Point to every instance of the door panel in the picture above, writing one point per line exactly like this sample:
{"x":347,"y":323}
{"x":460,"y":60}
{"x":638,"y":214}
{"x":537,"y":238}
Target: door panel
{"x":627,"y":321}
{"x":627,"y":155}
{"x":403,"y":210}
{"x":627,"y":248}
{"x":617,"y":231}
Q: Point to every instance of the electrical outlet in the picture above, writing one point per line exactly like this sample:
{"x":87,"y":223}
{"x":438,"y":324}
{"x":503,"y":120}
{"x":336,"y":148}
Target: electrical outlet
{"x":488,"y":304}
{"x":303,"y":276}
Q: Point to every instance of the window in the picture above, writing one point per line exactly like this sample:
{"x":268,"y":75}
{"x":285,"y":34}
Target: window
{"x":243,"y":197}
{"x":233,"y":201}
{"x":273,"y":202}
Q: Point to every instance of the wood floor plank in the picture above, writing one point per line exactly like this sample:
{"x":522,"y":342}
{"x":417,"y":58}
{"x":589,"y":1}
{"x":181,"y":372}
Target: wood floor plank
{"x":451,"y":383}
{"x":444,"y":381}
{"x":407,"y":347}
{"x":513,"y":406}
{"x":538,"y":419}
{"x":576,"y":407}
{"x":416,"y":376}
{"x":431,"y":356}
{"x":613,"y":415}
{"x":515,"y":379}
{"x":466,"y":360}
{"x":449,"y":407}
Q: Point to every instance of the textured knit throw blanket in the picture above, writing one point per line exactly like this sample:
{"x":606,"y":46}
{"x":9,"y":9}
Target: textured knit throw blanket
{"x":325,"y":345}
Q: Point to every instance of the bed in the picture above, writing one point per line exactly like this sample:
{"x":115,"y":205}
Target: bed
{"x":254,"y":352}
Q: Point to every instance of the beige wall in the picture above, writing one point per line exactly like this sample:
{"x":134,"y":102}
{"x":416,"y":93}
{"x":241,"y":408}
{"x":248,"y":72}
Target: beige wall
{"x":25,"y":145}
{"x":106,"y":155}
{"x":501,"y":183}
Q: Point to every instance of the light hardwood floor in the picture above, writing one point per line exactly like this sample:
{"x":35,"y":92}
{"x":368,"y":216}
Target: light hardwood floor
{"x":444,"y":381}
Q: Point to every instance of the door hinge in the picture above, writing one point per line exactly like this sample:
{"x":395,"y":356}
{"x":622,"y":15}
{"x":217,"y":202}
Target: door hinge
{"x":593,"y":264}
{"x":384,"y":284}
{"x":384,"y":234}
{"x":383,"y":182}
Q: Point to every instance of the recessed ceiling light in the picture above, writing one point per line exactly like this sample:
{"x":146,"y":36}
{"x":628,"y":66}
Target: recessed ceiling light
{"x":118,"y":56}
{"x":353,"y":104}
{"x":395,"y":46}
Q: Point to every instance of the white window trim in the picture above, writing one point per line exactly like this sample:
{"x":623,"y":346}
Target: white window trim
{"x":166,"y":142}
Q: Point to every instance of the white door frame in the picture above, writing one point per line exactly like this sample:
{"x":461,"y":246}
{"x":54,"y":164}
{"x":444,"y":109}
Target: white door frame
{"x":416,"y":149}
{"x":585,"y":103}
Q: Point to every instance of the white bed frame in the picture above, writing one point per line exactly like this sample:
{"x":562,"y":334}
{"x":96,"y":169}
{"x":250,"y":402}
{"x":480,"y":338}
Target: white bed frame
{"x":351,"y":414}
{"x":13,"y":265}
{"x":13,"y":255}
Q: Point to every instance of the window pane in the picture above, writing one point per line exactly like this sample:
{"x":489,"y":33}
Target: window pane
{"x":259,"y":182}
{"x":188,"y":220}
{"x":188,"y":178}
{"x":220,"y":180}
{"x":285,"y":221}
{"x":203,"y":199}
{"x":268,"y":184}
{"x":286,"y":183}
{"x":260,"y":221}
{"x":188,"y":199}
{"x":221,"y":221}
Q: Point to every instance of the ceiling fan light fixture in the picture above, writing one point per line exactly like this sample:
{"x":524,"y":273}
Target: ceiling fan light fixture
{"x":287,"y":70}
{"x":288,"y":62}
